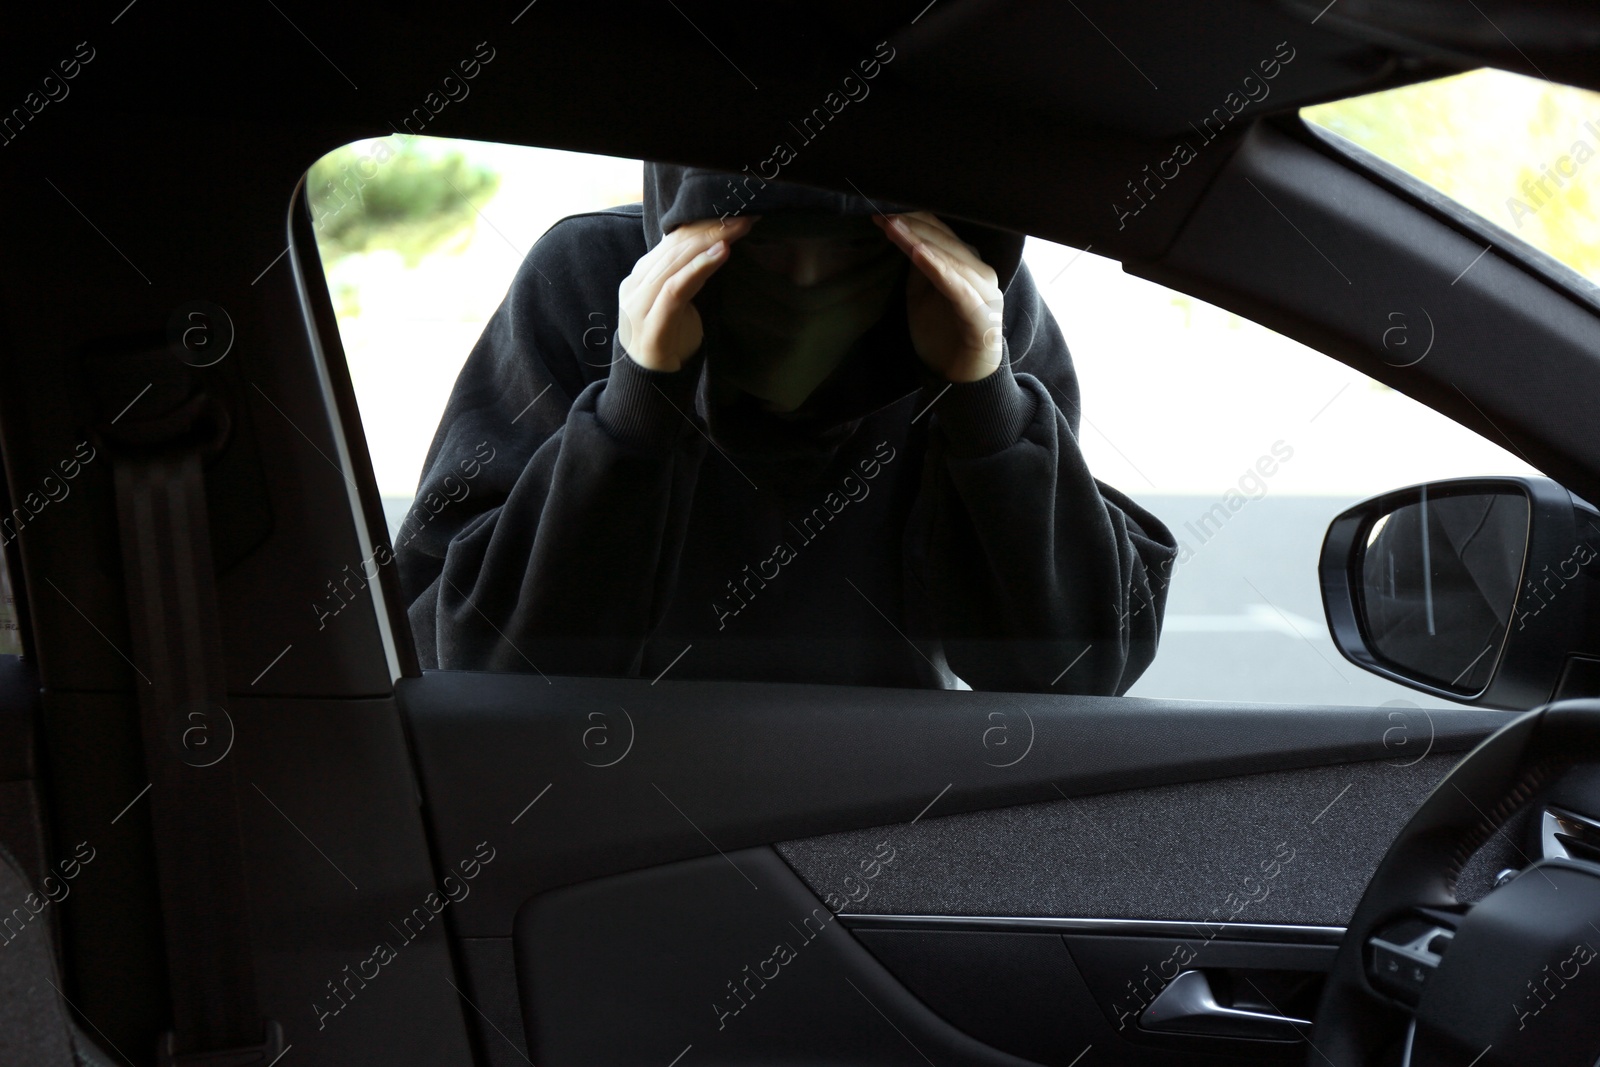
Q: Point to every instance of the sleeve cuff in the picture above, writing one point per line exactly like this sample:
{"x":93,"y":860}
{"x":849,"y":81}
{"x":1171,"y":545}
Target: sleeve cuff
{"x":982,"y":417}
{"x":644,"y":407}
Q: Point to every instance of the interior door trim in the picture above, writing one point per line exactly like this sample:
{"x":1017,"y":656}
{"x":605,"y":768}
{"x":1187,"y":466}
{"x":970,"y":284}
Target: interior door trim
{"x":1279,"y":932}
{"x":856,"y":759}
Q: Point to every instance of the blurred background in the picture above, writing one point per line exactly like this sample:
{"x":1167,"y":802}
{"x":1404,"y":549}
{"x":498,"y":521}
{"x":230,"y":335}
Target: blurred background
{"x":1184,"y":405}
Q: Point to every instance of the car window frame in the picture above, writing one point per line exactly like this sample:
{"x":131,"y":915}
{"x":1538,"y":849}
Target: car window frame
{"x":1430,"y":199}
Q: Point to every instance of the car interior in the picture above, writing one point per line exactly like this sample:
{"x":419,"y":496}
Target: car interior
{"x":235,"y":831}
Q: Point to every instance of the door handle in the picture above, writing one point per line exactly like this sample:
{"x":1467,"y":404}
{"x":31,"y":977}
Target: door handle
{"x":1187,"y":1006}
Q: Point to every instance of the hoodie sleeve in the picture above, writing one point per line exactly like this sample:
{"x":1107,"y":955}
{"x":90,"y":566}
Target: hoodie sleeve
{"x":555,"y":496}
{"x":1032,"y":574}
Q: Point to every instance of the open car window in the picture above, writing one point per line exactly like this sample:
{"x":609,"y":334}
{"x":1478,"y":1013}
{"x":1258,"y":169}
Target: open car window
{"x":1242,"y":442}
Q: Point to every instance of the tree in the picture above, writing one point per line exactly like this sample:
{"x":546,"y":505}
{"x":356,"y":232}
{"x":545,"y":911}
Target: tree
{"x":393,"y":193}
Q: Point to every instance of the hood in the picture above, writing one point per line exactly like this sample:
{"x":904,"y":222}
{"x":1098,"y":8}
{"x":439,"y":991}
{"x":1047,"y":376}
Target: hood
{"x":674,"y":195}
{"x":790,"y":450}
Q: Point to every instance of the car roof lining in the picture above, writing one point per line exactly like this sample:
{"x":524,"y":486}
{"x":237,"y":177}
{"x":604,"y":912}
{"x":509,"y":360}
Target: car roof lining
{"x":1100,"y":88}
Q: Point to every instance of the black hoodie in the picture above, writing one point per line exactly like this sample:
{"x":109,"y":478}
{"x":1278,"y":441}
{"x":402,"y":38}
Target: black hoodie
{"x":579,"y":514}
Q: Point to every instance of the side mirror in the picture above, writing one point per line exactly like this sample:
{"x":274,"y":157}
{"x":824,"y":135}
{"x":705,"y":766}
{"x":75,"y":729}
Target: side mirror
{"x":1476,"y":589}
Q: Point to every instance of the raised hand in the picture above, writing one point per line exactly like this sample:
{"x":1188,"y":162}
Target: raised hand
{"x":658,"y":324}
{"x":954,"y":304}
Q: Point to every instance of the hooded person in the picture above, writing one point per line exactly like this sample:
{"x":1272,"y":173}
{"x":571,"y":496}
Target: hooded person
{"x":803,"y":499}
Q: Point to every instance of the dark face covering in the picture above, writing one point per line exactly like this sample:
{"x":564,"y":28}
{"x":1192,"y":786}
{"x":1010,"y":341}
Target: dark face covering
{"x":861,"y":381}
{"x":798,"y":292}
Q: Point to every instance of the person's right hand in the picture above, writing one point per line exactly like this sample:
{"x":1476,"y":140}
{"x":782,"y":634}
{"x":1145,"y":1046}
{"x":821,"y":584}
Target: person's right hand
{"x":658,"y":324}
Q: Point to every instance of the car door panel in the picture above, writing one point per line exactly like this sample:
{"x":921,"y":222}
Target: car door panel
{"x":652,"y":841}
{"x":1279,"y":847}
{"x":730,"y":957}
{"x":636,"y":967}
{"x":522,"y":759}
{"x":352,"y":957}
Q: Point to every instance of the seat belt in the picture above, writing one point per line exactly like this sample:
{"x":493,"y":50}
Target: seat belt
{"x":157,"y":456}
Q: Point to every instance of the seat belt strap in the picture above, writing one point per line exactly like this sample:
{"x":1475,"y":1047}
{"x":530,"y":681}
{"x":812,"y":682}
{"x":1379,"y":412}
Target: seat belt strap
{"x":158,"y":470}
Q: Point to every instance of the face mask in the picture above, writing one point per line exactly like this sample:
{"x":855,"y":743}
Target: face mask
{"x":780,"y":339}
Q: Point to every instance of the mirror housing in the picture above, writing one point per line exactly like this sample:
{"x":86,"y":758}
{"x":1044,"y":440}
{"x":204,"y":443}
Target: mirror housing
{"x":1478,"y":590}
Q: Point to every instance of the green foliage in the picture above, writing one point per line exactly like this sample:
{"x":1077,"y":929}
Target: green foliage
{"x":390,"y":193}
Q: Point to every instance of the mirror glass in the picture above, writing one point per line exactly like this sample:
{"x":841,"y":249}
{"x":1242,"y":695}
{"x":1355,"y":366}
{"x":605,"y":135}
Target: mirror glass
{"x":1439,"y":580}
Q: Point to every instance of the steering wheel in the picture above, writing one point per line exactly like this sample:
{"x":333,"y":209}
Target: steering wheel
{"x":1422,"y":979}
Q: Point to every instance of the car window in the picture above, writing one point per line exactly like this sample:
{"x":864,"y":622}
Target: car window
{"x":419,"y":238}
{"x":1242,"y":442}
{"x":1248,"y":446}
{"x":1518,"y":152}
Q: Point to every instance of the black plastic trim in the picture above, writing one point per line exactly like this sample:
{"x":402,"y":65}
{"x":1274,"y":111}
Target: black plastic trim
{"x":1436,"y":203}
{"x":322,"y":326}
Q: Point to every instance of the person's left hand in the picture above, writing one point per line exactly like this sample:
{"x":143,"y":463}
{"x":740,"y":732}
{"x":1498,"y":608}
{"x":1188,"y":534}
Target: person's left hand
{"x":954,"y":304}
